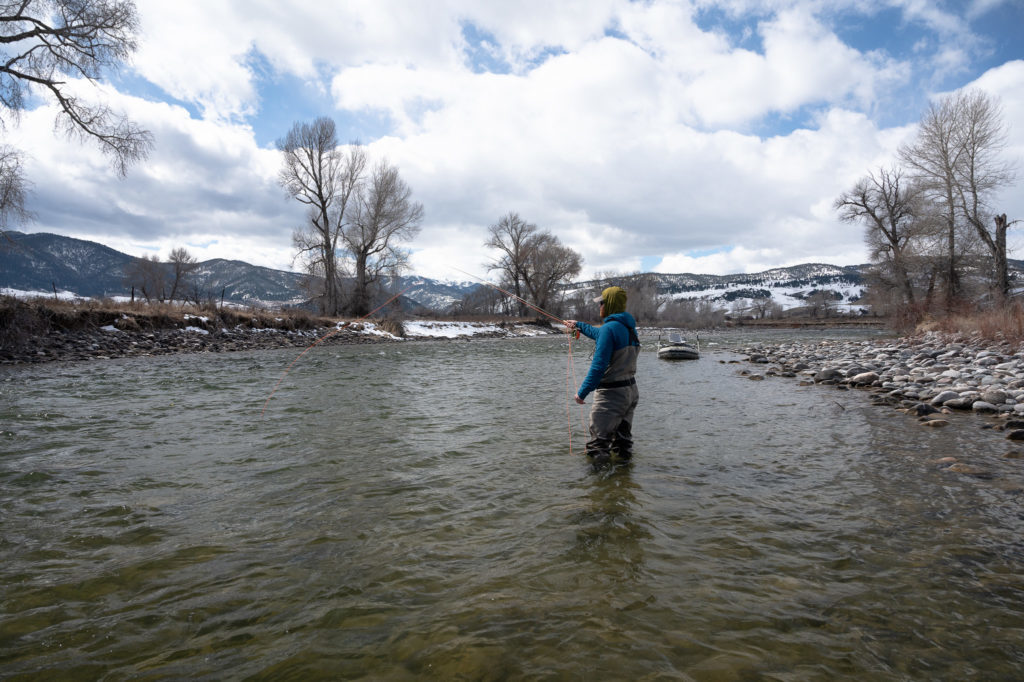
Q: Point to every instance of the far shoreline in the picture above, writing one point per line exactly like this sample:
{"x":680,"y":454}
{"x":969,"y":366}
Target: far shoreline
{"x":42,"y":331}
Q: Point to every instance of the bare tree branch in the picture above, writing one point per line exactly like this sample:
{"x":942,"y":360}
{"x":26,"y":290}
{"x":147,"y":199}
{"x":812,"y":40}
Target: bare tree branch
{"x":43,"y":43}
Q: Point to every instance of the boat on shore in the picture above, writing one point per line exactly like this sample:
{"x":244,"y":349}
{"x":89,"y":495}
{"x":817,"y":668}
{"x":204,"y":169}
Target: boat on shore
{"x":678,"y":348}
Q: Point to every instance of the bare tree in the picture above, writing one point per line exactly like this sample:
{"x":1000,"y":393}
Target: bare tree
{"x":761,"y":306}
{"x":183,"y":264}
{"x":980,"y":172}
{"x":45,"y":43}
{"x":14,"y":189}
{"x":932,"y":160}
{"x":549,"y":266}
{"x":887,"y":207}
{"x":693,"y":313}
{"x":956,"y":158}
{"x":148,"y":275}
{"x":533,"y":264}
{"x":511,"y":236}
{"x":821,"y":301}
{"x":482,"y":300}
{"x":642,"y":289}
{"x":323,"y":177}
{"x":385,"y":217}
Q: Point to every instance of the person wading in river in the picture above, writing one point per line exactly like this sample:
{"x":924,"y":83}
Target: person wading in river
{"x":612,"y":379}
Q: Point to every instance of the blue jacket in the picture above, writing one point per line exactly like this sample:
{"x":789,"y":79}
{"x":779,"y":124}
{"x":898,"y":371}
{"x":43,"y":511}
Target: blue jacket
{"x":610,"y":336}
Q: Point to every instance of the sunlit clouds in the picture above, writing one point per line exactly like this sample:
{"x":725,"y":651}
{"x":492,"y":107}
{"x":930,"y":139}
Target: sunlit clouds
{"x":674,"y":136}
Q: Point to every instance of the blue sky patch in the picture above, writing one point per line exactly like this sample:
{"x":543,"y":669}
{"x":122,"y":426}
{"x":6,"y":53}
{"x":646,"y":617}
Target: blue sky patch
{"x":483,"y":54}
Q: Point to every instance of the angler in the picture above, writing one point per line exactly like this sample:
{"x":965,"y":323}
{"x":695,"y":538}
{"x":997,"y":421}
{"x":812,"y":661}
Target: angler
{"x":612,"y":379}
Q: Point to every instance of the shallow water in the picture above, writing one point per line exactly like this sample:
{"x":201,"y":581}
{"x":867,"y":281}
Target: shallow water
{"x":413,"y":511}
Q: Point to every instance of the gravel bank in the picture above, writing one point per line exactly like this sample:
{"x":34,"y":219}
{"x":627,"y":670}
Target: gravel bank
{"x":930,"y":376}
{"x":201,"y":335}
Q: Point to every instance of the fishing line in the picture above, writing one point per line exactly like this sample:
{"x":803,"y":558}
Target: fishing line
{"x":570,"y":366}
{"x":326,"y":336}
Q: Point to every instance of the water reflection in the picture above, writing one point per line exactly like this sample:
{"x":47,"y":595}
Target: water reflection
{"x":609,"y":527}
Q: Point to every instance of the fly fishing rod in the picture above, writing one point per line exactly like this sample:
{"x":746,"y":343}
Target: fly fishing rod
{"x":570,"y":370}
{"x":518,"y":298}
{"x":323,"y":338}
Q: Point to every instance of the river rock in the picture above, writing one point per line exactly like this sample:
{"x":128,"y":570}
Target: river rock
{"x":922,"y":409}
{"x":864,"y":379}
{"x":961,"y":468}
{"x":944,"y":396}
{"x":983,"y":406}
{"x":831,"y":374}
{"x":1015,"y":434}
{"x":995,"y":396}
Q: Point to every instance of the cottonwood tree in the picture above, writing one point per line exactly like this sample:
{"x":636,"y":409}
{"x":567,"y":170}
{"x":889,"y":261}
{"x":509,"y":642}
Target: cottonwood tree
{"x":549,"y":267}
{"x":385,"y":216}
{"x":511,"y":236}
{"x":323,"y":177}
{"x":642,"y":292}
{"x":149,"y":276}
{"x":45,"y":45}
{"x":956,"y":159}
{"x":888,"y":207}
{"x":13,"y":189}
{"x":533,"y":263}
{"x":981,"y":172}
{"x":931,"y":160}
{"x":483,"y":300}
{"x":761,"y":307}
{"x":693,"y":313}
{"x":183,"y":264}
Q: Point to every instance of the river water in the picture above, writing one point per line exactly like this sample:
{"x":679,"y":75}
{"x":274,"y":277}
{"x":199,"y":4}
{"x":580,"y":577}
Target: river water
{"x":413,"y":511}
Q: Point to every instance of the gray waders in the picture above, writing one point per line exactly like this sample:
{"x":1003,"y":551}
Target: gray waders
{"x":611,"y":417}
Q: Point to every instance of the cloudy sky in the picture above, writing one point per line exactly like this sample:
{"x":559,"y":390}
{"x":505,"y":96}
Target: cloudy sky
{"x":705,"y":136}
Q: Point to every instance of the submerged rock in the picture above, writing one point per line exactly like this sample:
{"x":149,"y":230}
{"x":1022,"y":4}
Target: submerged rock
{"x":831,"y":374}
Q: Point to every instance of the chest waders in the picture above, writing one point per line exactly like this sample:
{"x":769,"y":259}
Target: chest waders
{"x":611,"y":417}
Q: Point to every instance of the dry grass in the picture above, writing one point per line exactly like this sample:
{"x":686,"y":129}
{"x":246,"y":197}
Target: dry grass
{"x":999,"y":324}
{"x":23,"y":320}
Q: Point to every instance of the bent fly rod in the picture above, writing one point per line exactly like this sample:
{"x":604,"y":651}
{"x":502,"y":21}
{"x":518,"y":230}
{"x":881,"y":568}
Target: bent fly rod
{"x":518,"y":298}
{"x":570,"y":369}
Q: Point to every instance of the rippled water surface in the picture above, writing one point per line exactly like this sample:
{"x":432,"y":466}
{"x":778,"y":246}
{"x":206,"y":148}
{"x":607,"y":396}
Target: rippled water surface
{"x":409,"y":511}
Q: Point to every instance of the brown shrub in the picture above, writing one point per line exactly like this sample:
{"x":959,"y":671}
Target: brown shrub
{"x":392,"y":326}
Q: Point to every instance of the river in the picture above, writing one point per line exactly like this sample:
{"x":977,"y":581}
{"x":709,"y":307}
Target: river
{"x":413,"y":511}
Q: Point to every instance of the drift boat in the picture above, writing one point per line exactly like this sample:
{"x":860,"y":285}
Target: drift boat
{"x":678,"y":349}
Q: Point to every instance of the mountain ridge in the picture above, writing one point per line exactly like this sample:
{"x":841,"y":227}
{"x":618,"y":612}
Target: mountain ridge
{"x":40,"y":262}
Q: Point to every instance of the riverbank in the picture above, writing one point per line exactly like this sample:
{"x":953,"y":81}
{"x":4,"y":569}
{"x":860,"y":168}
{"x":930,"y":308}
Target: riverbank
{"x":34,"y":333}
{"x":930,"y":376}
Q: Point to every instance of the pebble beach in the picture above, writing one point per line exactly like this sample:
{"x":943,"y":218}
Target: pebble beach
{"x":930,"y":376}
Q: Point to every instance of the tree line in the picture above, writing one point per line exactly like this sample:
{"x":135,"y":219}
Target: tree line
{"x":936,"y":242}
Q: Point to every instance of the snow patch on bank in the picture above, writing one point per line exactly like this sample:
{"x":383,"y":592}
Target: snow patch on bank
{"x":451,"y":330}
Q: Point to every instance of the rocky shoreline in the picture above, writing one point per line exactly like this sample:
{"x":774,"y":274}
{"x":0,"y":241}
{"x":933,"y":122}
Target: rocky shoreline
{"x":198,"y":334}
{"x":109,"y":342}
{"x":929,"y":376}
